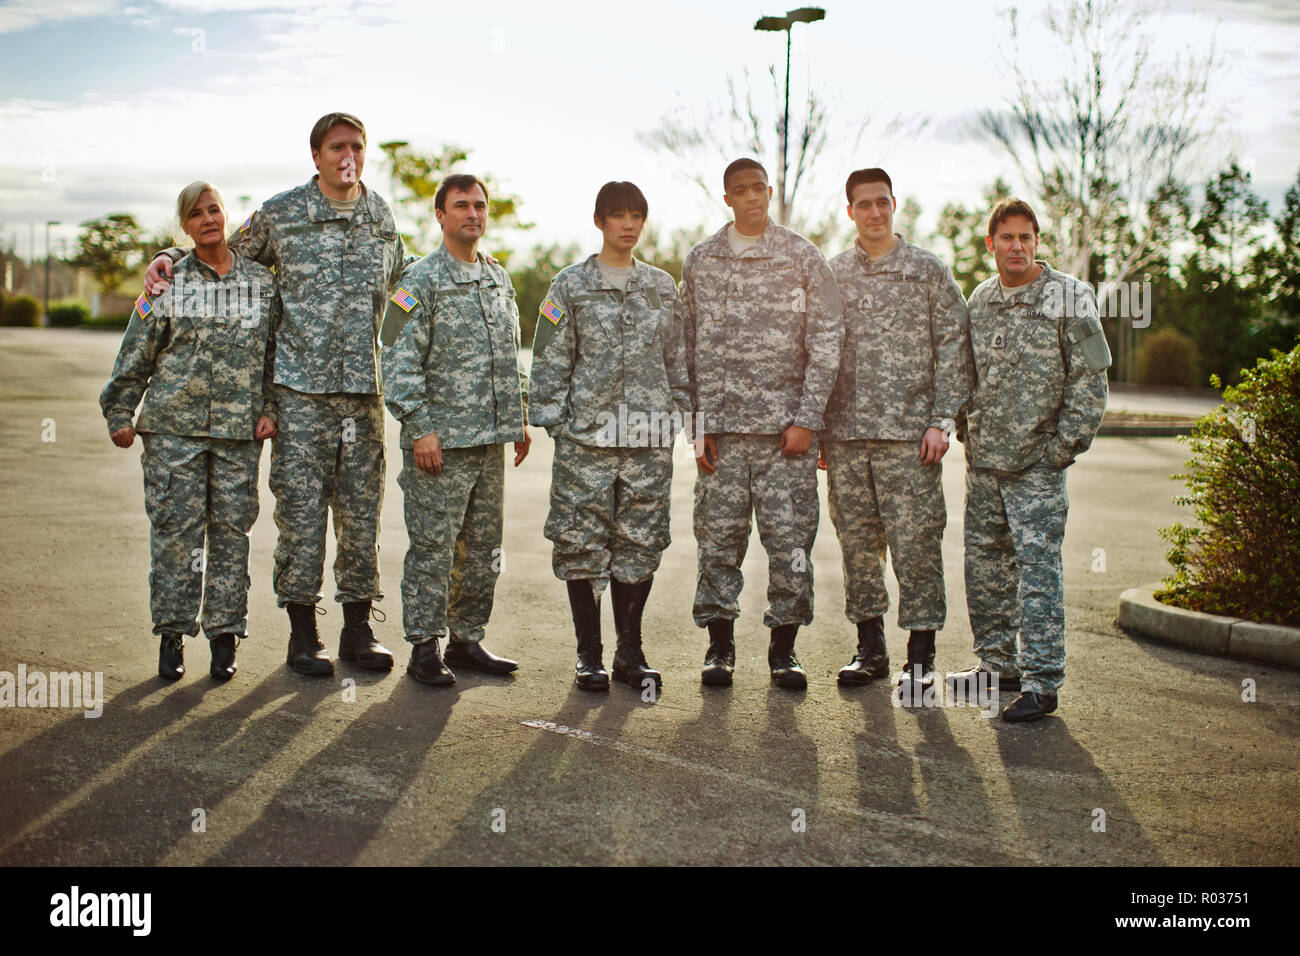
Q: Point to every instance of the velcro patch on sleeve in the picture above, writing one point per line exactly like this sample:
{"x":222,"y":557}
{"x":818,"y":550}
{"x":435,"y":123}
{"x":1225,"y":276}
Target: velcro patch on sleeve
{"x":552,"y":312}
{"x":405,"y":300}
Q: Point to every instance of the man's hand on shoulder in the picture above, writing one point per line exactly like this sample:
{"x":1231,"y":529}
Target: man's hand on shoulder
{"x":157,"y":276}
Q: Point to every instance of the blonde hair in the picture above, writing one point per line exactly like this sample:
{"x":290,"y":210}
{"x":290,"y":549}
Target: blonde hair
{"x":189,"y":198}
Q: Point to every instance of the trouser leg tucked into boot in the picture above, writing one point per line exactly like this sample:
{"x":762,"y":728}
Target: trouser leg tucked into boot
{"x":786,"y":671}
{"x":589,"y":672}
{"x":630,"y":665}
{"x":720,"y":658}
{"x":357,"y":641}
{"x":307,"y":655}
{"x":871,"y":661}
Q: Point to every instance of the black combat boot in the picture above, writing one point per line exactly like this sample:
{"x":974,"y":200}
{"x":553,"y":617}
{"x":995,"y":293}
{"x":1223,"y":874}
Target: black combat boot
{"x":474,"y":655}
{"x":223,"y":656}
{"x":171,"y":656}
{"x":871,"y":661}
{"x":1029,"y":706}
{"x":786,"y":671}
{"x":426,"y":665}
{"x":720,"y":658}
{"x":357,"y":641}
{"x":589,"y":672}
{"x":918,"y":675}
{"x":630,"y":666}
{"x":307,"y":655}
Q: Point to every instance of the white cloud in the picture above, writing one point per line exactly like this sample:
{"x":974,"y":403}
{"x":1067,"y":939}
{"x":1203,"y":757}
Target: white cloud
{"x":25,"y":14}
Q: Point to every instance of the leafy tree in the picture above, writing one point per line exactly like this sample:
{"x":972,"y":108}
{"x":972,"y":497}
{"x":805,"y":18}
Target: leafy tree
{"x":958,"y":237}
{"x":416,"y":177}
{"x":110,"y":248}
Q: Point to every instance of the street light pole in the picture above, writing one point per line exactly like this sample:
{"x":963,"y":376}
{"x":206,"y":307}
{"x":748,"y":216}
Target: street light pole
{"x":786,"y":23}
{"x":51,"y":222}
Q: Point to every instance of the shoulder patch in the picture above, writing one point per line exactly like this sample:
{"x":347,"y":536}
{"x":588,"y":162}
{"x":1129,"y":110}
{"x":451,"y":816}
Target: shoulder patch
{"x":142,"y":307}
{"x":405,"y":300}
{"x":247,"y":223}
{"x":552,"y":311}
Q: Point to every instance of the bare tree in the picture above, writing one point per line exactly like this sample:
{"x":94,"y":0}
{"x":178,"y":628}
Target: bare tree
{"x":703,"y":143}
{"x":1099,"y":140}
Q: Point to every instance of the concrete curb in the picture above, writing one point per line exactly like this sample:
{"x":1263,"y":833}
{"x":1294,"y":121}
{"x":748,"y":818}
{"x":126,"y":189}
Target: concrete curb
{"x":1139,"y":611}
{"x":1143,"y":431}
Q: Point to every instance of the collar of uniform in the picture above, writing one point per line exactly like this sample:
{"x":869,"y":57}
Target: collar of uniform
{"x":1025,"y":293}
{"x":451,"y":267}
{"x":591,"y":276}
{"x":718,"y":244}
{"x":320,"y":210}
{"x":205,"y":271}
{"x":889,"y":260}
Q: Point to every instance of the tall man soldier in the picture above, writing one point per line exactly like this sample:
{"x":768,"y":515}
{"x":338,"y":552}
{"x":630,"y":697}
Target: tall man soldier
{"x":764,"y":330}
{"x":905,"y":375}
{"x":454,"y":381}
{"x":337,"y":255}
{"x":609,"y":384}
{"x":1040,"y":360}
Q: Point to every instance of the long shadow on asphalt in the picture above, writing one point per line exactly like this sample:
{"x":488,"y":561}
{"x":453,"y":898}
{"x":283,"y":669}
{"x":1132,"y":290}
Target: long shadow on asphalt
{"x":1053,"y":780}
{"x":337,"y":802}
{"x":138,"y":814}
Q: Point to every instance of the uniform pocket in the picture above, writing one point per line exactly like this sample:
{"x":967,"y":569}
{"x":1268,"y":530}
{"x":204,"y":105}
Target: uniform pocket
{"x":158,"y":504}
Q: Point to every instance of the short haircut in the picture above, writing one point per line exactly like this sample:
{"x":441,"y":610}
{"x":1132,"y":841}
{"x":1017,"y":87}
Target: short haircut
{"x":873,"y":174}
{"x":461,"y":182}
{"x":1008,"y":208}
{"x":739,"y":165}
{"x":620,"y":197}
{"x":189,"y":198}
{"x":329,"y":121}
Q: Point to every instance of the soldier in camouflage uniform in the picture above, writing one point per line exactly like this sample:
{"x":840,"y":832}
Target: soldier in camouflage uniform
{"x":202,"y":356}
{"x":337,"y":254}
{"x":904,"y":377}
{"x":764,"y":330}
{"x":609,"y":384}
{"x":1040,"y":360}
{"x":451,"y":364}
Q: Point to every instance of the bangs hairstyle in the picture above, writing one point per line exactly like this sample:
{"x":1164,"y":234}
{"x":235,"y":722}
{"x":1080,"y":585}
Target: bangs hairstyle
{"x":189,"y":198}
{"x":329,"y":121}
{"x":738,"y":166}
{"x":617,"y":197}
{"x":1008,"y":208}
{"x":873,"y":175}
{"x":462,"y":183}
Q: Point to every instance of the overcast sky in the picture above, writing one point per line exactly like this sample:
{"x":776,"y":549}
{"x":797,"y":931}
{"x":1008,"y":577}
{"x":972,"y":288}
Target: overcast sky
{"x":112,"y":106}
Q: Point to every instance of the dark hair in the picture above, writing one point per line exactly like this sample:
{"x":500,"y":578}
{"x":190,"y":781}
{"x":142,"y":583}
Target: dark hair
{"x":872,"y":175}
{"x":620,"y":197}
{"x":461,"y":182}
{"x":1008,"y":208}
{"x":737,"y":166}
{"x":329,"y":121}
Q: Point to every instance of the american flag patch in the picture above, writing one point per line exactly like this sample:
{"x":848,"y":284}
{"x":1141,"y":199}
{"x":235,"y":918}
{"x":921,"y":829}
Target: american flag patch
{"x":247,"y":222}
{"x":142,"y":307}
{"x":405,"y":300}
{"x":552,"y":312}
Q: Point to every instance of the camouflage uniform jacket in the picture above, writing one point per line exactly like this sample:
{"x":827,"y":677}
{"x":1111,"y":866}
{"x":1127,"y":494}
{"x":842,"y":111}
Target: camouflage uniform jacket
{"x":451,"y":354}
{"x":335,"y":276}
{"x":764,"y":331}
{"x":907,"y":364}
{"x":202,"y":355}
{"x":603,"y":355}
{"x":1041,"y":360}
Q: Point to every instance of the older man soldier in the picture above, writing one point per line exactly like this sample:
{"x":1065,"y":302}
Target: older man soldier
{"x":905,"y":375}
{"x":453,"y":378}
{"x":336,"y":254}
{"x":609,"y":384}
{"x":764,"y":329}
{"x":1040,"y":360}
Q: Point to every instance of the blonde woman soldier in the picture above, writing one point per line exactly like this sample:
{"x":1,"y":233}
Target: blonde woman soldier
{"x":201,"y":354}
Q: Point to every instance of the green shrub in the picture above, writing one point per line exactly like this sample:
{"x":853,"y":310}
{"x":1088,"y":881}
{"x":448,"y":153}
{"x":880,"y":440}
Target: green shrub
{"x":118,"y":320}
{"x":1243,"y":483}
{"x":66,"y":315}
{"x":1167,"y":357}
{"x":21,"y":310}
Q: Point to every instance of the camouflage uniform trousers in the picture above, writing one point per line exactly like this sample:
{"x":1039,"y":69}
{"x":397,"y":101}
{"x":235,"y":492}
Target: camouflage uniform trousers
{"x":881,"y":494}
{"x":753,"y":476}
{"x":454,"y":523}
{"x":609,"y":511}
{"x":1015,"y":524}
{"x":196,"y":488}
{"x":328,"y":453}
